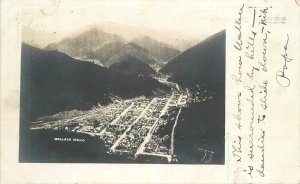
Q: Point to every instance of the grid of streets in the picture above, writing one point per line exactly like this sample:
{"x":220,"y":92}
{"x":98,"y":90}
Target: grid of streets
{"x":130,"y":126}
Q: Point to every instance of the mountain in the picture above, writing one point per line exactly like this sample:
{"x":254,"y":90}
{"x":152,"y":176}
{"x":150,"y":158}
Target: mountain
{"x":178,"y":40}
{"x":108,"y":50}
{"x":91,"y":44}
{"x":131,"y":65}
{"x":203,"y":64}
{"x":159,"y":50}
{"x":52,"y":82}
{"x":201,"y":124}
{"x":131,"y":50}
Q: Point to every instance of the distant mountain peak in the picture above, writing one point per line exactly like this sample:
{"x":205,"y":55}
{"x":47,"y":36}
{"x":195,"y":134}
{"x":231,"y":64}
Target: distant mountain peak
{"x":161,"y":51}
{"x":135,"y":45}
{"x":93,"y":43}
{"x":131,"y":50}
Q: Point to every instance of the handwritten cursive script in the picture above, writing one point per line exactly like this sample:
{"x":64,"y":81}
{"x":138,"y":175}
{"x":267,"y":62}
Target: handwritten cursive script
{"x":281,"y":77}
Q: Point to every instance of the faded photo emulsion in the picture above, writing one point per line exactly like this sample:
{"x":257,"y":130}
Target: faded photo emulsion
{"x":120,"y":83}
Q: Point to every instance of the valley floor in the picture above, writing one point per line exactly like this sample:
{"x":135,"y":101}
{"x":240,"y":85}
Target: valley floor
{"x":141,"y":129}
{"x":129,"y":127}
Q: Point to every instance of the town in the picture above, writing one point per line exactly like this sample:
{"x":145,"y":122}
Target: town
{"x":134,"y":128}
{"x":129,"y":127}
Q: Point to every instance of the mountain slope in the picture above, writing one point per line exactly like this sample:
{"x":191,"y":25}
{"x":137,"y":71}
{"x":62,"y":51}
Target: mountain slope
{"x":52,"y":82}
{"x":178,"y":40}
{"x":201,"y":125}
{"x":91,"y":44}
{"x":107,"y":50}
{"x":131,"y":65}
{"x":131,"y":50}
{"x":160,"y":51}
{"x":203,"y":64}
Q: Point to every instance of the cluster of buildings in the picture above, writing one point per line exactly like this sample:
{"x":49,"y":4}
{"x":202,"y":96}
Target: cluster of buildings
{"x":141,"y":126}
{"x":92,"y":122}
{"x":156,"y":145}
{"x":126,"y":126}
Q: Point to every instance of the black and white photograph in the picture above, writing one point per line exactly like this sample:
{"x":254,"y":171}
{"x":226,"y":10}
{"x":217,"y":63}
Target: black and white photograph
{"x":149,"y":91}
{"x":123,"y":83}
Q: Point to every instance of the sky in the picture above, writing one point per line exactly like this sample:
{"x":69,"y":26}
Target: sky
{"x":188,"y":17}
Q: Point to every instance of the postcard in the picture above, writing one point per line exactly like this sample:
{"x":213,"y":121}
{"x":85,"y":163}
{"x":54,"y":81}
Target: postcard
{"x":150,"y":91}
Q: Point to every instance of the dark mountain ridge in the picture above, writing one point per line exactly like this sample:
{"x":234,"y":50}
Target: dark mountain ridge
{"x":203,"y":64}
{"x":131,"y":65}
{"x":52,"y":82}
{"x":201,"y":125}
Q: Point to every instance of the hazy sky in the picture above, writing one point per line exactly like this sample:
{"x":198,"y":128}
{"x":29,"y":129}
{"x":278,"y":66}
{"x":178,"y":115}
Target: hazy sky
{"x":190,"y":17}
